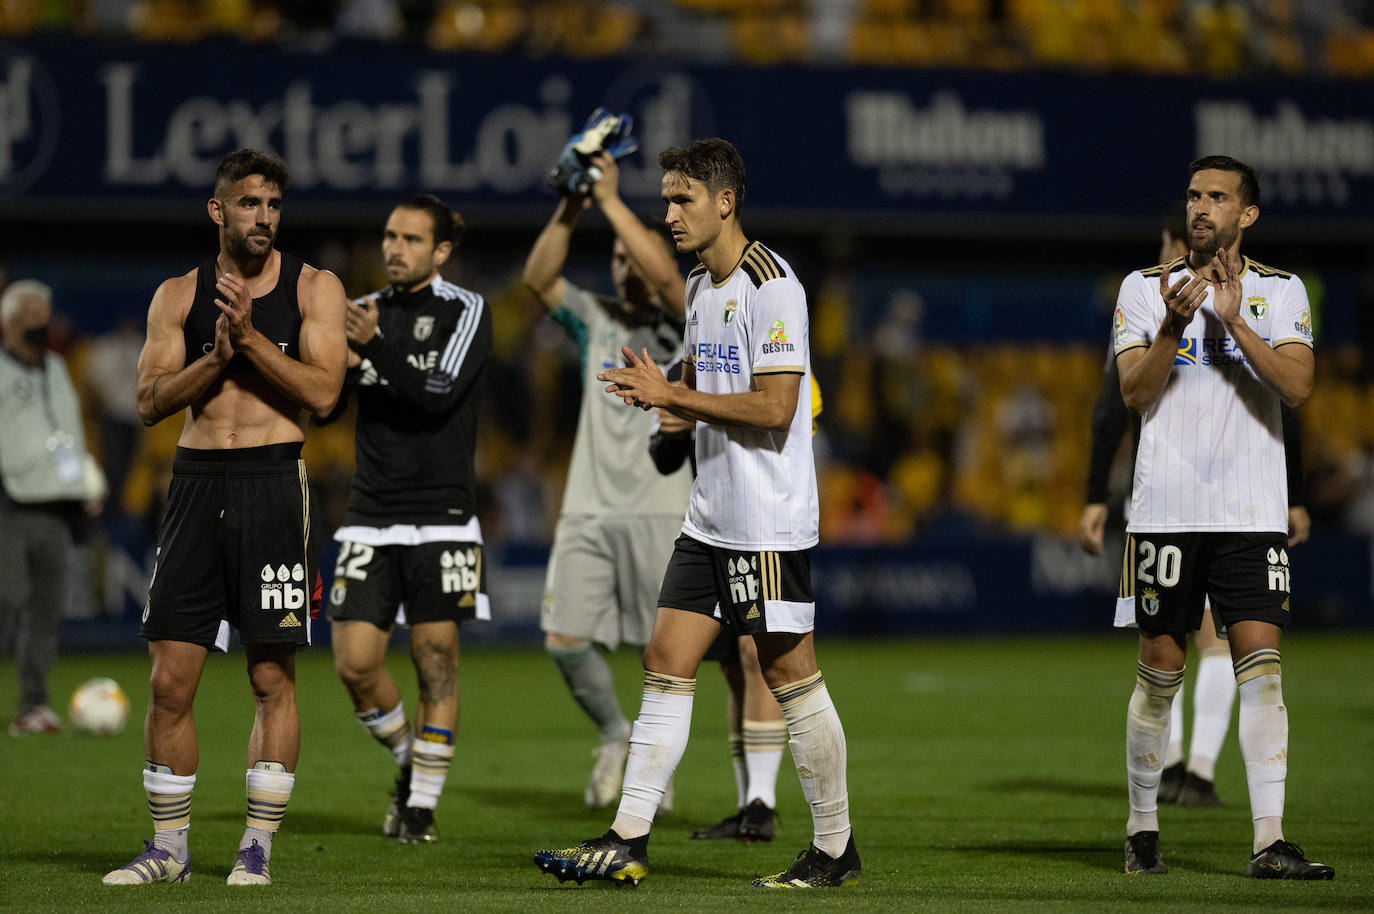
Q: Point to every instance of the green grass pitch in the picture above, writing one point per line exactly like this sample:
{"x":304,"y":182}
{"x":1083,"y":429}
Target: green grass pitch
{"x":984,"y":775}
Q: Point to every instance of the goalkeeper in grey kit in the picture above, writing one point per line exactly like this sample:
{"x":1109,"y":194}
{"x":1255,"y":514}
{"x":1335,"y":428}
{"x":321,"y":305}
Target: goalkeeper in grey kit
{"x":619,"y":515}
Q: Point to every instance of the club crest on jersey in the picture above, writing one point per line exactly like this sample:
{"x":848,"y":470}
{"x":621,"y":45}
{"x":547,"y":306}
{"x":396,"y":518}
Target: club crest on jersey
{"x":731,"y":307}
{"x":1149,"y":601}
{"x":1258,"y":306}
{"x":1187,"y":353}
{"x":424,"y":326}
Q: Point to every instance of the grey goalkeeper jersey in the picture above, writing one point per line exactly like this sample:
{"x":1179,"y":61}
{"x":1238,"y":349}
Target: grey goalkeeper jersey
{"x":611,"y":470}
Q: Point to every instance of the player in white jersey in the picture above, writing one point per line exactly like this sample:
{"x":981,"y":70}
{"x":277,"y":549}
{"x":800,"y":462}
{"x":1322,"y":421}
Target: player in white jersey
{"x":1205,"y":359}
{"x":1190,"y":782}
{"x":620,"y":515}
{"x":751,"y":521}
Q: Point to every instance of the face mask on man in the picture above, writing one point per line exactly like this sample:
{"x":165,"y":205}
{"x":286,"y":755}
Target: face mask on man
{"x":37,"y":336}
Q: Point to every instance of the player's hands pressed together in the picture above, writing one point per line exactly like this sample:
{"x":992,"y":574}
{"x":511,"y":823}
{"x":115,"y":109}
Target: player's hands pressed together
{"x":1226,"y":286}
{"x":224,"y":350}
{"x":236,"y":306}
{"x":360,"y":322}
{"x":1182,"y":299}
{"x":640,"y":383}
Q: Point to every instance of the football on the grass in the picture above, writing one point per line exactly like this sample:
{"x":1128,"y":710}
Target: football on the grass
{"x":99,"y":706}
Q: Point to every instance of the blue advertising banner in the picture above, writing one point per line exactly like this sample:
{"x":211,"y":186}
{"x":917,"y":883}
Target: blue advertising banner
{"x":84,"y":123}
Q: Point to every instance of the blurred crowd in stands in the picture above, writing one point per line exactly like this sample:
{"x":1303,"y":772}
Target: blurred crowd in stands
{"x":1218,"y":38}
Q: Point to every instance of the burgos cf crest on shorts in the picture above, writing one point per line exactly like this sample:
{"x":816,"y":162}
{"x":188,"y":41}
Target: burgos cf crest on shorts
{"x":1149,"y":601}
{"x":283,"y":588}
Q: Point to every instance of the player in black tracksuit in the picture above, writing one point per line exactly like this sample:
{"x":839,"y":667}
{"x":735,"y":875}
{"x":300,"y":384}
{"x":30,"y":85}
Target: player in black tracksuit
{"x":412,"y":536}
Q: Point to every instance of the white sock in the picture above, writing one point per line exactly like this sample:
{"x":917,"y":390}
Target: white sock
{"x":657,"y":741}
{"x":736,"y":743}
{"x":1173,"y":752}
{"x":391,"y":729}
{"x":818,"y":748}
{"x":430,"y":762}
{"x":269,"y":790}
{"x":169,"y":800}
{"x":763,"y":743}
{"x":1147,"y":734}
{"x":1214,"y":693}
{"x":1263,"y":735}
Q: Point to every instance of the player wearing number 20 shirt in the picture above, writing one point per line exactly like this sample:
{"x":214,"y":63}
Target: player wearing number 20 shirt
{"x":1209,"y":347}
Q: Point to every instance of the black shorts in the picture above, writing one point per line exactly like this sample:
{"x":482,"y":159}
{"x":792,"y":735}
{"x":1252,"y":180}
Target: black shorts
{"x":436,"y":582}
{"x":725,"y":649}
{"x":1246,"y":576}
{"x":754,"y":592}
{"x":235,"y":550}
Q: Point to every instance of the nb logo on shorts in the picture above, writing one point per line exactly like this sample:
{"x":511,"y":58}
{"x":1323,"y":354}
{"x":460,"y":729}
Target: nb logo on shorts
{"x":459,"y":570}
{"x":744,"y":583}
{"x":1278,"y":570}
{"x":279,"y":590}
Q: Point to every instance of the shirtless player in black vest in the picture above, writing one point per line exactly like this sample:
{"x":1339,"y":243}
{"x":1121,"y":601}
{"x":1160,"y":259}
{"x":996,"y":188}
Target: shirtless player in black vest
{"x":246,"y":345}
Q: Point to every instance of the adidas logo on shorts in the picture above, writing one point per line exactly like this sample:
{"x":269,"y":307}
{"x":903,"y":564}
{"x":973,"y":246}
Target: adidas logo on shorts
{"x":290,"y":621}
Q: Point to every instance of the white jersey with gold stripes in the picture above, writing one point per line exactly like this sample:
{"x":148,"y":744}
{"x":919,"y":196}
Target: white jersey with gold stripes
{"x":1211,"y":453}
{"x":754,"y":489}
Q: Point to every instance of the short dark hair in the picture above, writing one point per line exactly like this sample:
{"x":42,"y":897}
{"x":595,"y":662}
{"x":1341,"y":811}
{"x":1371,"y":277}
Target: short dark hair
{"x":241,"y":163}
{"x":448,"y":225}
{"x":1176,"y":220}
{"x":1249,"y":184}
{"x":712,"y":161}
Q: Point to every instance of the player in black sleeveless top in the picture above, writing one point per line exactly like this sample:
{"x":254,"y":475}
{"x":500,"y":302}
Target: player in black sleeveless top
{"x":246,"y":346}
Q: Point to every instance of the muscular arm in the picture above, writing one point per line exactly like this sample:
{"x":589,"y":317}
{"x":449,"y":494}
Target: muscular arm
{"x":645,"y":249}
{"x":1288,"y":369}
{"x":166,"y":384}
{"x":1145,"y":370}
{"x":544,"y":265}
{"x":313,"y":382}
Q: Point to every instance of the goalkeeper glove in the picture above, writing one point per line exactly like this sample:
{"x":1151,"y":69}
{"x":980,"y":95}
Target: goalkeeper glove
{"x":574,"y":174}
